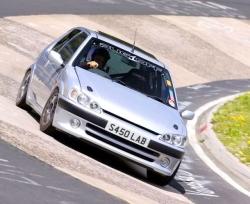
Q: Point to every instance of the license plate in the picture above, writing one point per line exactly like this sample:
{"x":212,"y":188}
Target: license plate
{"x":127,"y":134}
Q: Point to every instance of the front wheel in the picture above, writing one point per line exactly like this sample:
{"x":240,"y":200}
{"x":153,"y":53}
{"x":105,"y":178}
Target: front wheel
{"x":48,"y":113}
{"x":22,"y":92}
{"x":160,"y":179}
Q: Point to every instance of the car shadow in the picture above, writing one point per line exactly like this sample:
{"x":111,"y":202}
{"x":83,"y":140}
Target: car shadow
{"x":112,"y":160}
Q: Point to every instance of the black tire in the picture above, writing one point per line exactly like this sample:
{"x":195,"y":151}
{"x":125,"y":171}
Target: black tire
{"x":48,"y":113}
{"x":22,"y":92}
{"x":160,"y":179}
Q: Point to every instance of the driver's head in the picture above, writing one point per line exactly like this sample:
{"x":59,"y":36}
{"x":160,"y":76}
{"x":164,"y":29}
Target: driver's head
{"x":101,"y":56}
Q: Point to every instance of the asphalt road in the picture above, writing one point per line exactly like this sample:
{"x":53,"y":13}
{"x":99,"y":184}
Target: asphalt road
{"x":203,"y":185}
{"x":195,"y":180}
{"x":26,"y":180}
{"x":221,"y":8}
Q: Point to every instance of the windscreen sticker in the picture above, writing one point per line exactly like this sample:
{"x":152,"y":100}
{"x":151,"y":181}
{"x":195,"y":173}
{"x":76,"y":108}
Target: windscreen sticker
{"x":171,"y":102}
{"x":168,"y":83}
{"x":171,"y":99}
{"x":130,"y":56}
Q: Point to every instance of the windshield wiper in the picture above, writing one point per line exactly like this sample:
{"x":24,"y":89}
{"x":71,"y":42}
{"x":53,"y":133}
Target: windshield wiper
{"x":156,"y":98}
{"x":119,"y":82}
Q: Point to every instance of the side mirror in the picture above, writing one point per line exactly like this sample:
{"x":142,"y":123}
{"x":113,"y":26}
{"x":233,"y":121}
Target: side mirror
{"x":187,"y":115}
{"x":56,"y":58}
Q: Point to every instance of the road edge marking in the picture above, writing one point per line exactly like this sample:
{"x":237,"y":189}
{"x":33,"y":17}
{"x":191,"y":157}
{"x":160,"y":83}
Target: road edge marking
{"x":194,"y":143}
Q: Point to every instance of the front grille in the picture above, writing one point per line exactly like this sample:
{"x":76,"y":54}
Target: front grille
{"x":123,"y":141}
{"x":114,"y":115}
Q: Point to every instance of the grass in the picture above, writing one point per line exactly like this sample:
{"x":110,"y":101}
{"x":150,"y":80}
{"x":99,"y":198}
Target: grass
{"x":232,"y":126}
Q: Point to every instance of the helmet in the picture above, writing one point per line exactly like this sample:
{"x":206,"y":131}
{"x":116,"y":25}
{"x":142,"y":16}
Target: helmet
{"x":101,"y":52}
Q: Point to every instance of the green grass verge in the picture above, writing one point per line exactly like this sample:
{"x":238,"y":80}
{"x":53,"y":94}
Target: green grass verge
{"x":232,"y":126}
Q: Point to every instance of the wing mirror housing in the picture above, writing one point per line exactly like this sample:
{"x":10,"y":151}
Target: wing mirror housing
{"x":56,"y":58}
{"x":187,"y":115}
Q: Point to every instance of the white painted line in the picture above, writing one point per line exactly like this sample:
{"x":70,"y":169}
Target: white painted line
{"x":222,"y":6}
{"x":3,"y":160}
{"x":6,"y":165}
{"x":25,"y":181}
{"x":197,"y":184}
{"x":59,"y":189}
{"x":36,"y":175}
{"x":198,"y":86}
{"x":15,"y":171}
{"x":8,"y":173}
{"x":199,"y":151}
{"x":183,"y":105}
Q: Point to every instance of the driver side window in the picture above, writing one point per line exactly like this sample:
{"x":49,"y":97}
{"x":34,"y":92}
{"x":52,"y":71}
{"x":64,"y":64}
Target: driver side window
{"x":68,"y":50}
{"x":68,"y":45}
{"x":65,"y":40}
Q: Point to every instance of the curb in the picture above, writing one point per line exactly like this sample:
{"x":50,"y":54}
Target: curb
{"x":221,"y":156}
{"x":207,"y":156}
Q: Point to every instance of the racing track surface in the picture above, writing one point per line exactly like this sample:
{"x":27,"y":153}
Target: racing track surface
{"x":220,"y":8}
{"x":195,"y":180}
{"x":26,"y":180}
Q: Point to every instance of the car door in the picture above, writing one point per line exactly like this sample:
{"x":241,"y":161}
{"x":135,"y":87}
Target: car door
{"x":47,"y":72}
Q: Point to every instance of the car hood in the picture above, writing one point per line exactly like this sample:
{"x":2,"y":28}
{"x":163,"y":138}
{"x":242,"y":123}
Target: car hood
{"x":130,"y":104}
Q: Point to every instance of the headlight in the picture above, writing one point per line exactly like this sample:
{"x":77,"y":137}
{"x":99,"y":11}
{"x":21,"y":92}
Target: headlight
{"x":176,"y":140}
{"x":84,"y":100}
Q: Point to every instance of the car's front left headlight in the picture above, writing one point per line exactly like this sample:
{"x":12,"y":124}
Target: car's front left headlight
{"x":174,"y":139}
{"x":84,"y":100}
{"x":177,"y":140}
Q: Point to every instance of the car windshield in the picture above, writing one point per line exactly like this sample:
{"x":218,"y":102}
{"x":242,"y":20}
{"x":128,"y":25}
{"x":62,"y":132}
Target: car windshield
{"x":128,"y":70}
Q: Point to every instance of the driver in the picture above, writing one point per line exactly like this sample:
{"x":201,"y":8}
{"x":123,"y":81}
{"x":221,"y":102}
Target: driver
{"x":99,"y":59}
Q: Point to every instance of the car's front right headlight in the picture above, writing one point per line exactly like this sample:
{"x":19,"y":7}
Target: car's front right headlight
{"x":84,"y":100}
{"x":177,"y":140}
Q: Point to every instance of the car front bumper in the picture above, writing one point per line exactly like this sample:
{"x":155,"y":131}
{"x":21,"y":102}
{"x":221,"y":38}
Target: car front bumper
{"x":92,"y":128}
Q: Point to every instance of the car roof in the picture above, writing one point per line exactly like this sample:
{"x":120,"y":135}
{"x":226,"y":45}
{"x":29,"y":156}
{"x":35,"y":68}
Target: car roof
{"x":124,"y":45}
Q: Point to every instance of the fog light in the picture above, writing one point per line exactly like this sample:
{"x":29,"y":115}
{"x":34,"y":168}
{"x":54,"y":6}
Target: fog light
{"x":165,"y":138}
{"x":94,"y":105}
{"x":75,"y":123}
{"x":164,"y":162}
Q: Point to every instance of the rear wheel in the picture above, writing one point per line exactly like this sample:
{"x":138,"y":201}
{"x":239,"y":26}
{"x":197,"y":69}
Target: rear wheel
{"x":22,"y":92}
{"x":160,"y":179}
{"x":48,"y":113}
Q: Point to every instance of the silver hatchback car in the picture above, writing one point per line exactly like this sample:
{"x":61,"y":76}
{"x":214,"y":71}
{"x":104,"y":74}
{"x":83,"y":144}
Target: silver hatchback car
{"x":103,"y":90}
